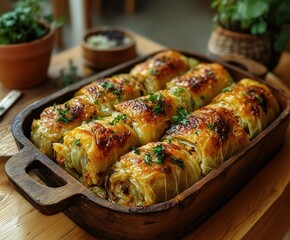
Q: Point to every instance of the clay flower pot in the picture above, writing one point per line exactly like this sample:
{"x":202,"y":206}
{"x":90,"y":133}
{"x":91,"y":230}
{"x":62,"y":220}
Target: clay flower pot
{"x":25,"y":65}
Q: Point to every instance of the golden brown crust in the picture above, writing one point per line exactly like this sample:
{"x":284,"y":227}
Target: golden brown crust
{"x":92,"y":148}
{"x":156,"y":172}
{"x":150,"y":115}
{"x":93,"y":100}
{"x":203,"y":82}
{"x":213,"y":133}
{"x":252,"y":103}
{"x":159,"y":69}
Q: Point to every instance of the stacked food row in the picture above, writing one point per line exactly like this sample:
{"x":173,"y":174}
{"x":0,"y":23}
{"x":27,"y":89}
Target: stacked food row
{"x":87,"y":146}
{"x":159,"y":171}
{"x":98,"y":98}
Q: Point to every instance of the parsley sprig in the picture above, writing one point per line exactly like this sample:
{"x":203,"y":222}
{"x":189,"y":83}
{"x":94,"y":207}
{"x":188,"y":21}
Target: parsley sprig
{"x":181,"y":117}
{"x":117,"y":119}
{"x":64,"y":114}
{"x":158,"y":102}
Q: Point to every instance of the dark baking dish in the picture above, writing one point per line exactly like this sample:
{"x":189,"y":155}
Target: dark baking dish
{"x":170,"y":219}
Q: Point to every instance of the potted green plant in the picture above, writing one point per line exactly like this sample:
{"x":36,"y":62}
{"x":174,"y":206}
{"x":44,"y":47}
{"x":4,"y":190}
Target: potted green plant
{"x":26,"y":43}
{"x":255,"y":29}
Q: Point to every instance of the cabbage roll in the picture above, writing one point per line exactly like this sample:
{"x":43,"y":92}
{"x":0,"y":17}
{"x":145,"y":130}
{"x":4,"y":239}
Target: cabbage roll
{"x":252,"y":103}
{"x":151,"y":174}
{"x":90,"y":149}
{"x":151,"y":115}
{"x":161,"y":68}
{"x":203,"y":82}
{"x":212,"y":133}
{"x":94,"y":100}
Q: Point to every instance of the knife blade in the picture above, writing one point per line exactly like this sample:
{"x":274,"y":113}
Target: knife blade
{"x":8,"y":100}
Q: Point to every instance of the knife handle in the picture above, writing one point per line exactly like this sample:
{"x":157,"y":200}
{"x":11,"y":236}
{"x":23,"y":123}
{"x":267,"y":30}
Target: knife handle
{"x":8,"y":100}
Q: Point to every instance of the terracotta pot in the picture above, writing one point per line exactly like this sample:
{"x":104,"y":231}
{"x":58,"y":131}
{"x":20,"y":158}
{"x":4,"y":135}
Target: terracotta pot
{"x":256,"y":47}
{"x":25,"y":65}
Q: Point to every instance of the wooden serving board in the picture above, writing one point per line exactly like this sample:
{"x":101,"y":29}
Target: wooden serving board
{"x":174,"y":218}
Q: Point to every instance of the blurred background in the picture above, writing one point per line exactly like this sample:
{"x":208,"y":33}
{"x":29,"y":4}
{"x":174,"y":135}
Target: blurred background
{"x":184,"y":24}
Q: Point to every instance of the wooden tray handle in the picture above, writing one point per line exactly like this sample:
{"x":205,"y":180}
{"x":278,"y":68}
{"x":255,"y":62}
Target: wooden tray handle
{"x":47,"y":199}
{"x":253,"y":67}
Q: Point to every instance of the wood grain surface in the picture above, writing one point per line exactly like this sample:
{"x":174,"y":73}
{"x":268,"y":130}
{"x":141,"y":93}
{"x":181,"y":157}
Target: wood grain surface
{"x":260,"y":210}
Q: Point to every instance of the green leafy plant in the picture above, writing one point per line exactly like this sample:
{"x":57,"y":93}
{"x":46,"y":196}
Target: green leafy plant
{"x":69,"y":75}
{"x":256,"y":17}
{"x":25,"y":23}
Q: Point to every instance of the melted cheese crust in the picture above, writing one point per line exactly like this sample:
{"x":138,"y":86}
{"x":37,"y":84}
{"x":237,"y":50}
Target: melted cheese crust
{"x":92,"y":148}
{"x":161,"y":68}
{"x":135,"y":181}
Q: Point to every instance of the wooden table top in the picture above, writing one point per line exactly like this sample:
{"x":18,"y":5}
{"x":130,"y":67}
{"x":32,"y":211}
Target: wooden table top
{"x":261,"y":209}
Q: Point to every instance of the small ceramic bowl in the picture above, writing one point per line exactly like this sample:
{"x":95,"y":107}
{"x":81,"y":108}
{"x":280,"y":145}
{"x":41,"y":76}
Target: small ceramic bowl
{"x":107,"y":46}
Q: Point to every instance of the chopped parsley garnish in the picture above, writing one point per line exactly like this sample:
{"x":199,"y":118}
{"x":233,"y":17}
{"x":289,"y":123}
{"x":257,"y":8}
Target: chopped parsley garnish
{"x":96,"y":101}
{"x":196,"y":132}
{"x":179,"y":162}
{"x":148,"y":158}
{"x":228,"y":89}
{"x":153,"y":71}
{"x":118,"y":119}
{"x":159,"y":154}
{"x":159,"y":103}
{"x":136,"y":150}
{"x":60,"y":140}
{"x":118,"y":94}
{"x":78,"y":142}
{"x":178,"y":91}
{"x":211,"y":73}
{"x":210,"y":126}
{"x":181,"y":118}
{"x":202,"y":97}
{"x":261,"y":99}
{"x":64,"y":114}
{"x":107,"y":85}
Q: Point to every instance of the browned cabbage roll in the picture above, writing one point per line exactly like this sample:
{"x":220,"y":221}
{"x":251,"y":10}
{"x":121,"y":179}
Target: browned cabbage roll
{"x":151,"y":174}
{"x":90,"y":149}
{"x":161,"y":68}
{"x":212,"y":133}
{"x":151,"y":115}
{"x":94,"y":100}
{"x":252,"y":103}
{"x":203,"y":82}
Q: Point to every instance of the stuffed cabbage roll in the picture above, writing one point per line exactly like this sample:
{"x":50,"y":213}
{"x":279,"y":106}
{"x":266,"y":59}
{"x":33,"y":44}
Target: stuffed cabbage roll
{"x":94,"y":100}
{"x":151,"y":115}
{"x":252,"y":103}
{"x":151,"y":174}
{"x":203,"y":82}
{"x":161,"y":68}
{"x":212,"y":133}
{"x":90,"y":149}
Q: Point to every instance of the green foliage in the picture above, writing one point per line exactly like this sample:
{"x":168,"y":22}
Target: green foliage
{"x":69,"y":76}
{"x":256,"y":17}
{"x":25,"y":23}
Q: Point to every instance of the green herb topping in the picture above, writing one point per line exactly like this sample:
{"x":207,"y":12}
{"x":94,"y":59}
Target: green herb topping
{"x":118,"y":94}
{"x":78,"y":143}
{"x":107,"y":85}
{"x":179,"y":162}
{"x":148,"y":158}
{"x":159,"y":154}
{"x":181,"y":118}
{"x":136,"y":150}
{"x":64,"y":114}
{"x":159,"y":103}
{"x":210,"y":126}
{"x":118,"y":119}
